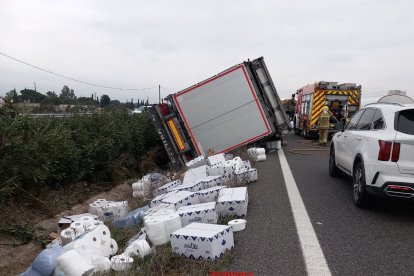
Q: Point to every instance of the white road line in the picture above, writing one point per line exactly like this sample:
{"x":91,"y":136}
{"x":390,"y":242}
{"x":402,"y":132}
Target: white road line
{"x":311,"y":250}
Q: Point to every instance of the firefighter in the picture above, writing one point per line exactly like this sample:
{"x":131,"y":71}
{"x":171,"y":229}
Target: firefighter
{"x":324,"y":120}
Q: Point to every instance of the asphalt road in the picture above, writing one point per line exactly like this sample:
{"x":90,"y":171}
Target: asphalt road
{"x":374,"y":241}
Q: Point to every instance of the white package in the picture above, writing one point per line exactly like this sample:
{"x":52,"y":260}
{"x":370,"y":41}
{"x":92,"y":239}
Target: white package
{"x":167,"y":187}
{"x":202,"y":241}
{"x":217,"y":159}
{"x":210,"y":194}
{"x":178,"y":199}
{"x":233,"y":202}
{"x":205,"y":213}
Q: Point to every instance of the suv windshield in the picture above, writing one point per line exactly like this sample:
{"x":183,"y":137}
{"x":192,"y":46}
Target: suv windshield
{"x":405,"y":121}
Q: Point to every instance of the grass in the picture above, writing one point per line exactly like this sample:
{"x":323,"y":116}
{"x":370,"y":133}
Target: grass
{"x":165,"y":262}
{"x":24,"y":234}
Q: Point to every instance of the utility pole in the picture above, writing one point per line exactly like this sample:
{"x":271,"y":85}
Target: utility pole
{"x":159,"y":94}
{"x":35,"y":86}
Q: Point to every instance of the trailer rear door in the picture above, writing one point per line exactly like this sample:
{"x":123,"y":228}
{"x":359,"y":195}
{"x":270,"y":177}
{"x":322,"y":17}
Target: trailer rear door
{"x":223,"y":112}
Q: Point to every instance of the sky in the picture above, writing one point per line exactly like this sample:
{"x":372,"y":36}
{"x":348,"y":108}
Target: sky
{"x":175,"y":44}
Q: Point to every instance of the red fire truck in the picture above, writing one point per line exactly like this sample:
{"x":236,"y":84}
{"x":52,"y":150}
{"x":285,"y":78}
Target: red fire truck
{"x":343,"y":101}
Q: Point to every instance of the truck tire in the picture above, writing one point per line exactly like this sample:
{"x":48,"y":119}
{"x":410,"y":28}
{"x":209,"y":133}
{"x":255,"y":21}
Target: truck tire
{"x":305,"y":132}
{"x":295,"y":129}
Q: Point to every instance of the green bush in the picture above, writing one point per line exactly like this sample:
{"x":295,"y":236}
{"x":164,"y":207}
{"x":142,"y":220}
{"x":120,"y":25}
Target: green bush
{"x":47,"y":152}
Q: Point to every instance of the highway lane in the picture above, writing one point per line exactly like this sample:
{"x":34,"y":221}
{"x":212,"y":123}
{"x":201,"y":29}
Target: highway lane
{"x":269,"y":244}
{"x":374,"y":241}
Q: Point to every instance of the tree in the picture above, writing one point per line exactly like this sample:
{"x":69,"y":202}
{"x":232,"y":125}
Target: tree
{"x":105,"y":100}
{"x":67,"y":95}
{"x":12,"y":96}
{"x":32,"y":96}
{"x":51,"y":94}
{"x":86,"y":101}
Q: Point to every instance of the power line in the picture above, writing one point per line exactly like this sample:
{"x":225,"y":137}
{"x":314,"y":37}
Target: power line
{"x":72,"y":79}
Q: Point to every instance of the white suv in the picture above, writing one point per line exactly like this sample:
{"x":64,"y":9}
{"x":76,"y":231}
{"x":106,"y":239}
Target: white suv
{"x":377,"y":150}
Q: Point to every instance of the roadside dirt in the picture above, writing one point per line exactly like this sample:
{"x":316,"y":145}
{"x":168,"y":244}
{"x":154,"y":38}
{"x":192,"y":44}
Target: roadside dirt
{"x":16,"y":257}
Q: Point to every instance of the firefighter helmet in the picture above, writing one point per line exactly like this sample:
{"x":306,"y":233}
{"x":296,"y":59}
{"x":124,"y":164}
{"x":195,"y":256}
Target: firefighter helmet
{"x":325,"y":108}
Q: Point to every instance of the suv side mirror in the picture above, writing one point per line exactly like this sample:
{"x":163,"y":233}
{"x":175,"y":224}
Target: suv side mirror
{"x":340,"y":126}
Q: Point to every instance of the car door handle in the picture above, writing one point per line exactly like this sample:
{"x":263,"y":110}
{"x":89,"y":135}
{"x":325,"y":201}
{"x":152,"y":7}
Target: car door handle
{"x":345,"y":135}
{"x":359,"y":139}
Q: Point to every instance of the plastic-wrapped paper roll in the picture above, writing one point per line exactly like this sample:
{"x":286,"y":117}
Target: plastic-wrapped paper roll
{"x":87,"y":221}
{"x":238,"y":163}
{"x":237,"y":224}
{"x":138,"y":248}
{"x":138,"y":194}
{"x":138,"y":186}
{"x":260,"y":151}
{"x":261,"y":158}
{"x":97,"y":241}
{"x":156,"y":232}
{"x":78,"y":227}
{"x":71,"y":263}
{"x":96,"y":206}
{"x":101,"y":264}
{"x":114,"y":209}
{"x":121,"y":262}
{"x":67,"y":235}
{"x":94,"y":224}
{"x":172,"y":223}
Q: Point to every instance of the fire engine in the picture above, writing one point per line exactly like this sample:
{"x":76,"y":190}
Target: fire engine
{"x":343,"y":101}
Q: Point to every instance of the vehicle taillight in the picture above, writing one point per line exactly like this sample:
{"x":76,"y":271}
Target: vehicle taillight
{"x":385,"y":150}
{"x":395,"y":152}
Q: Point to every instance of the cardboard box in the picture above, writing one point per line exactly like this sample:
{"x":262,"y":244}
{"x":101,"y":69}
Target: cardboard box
{"x":233,"y":202}
{"x":205,"y":213}
{"x":194,"y":175}
{"x":217,"y":159}
{"x":246,"y":175}
{"x":166,"y":188}
{"x":179,"y":199}
{"x":202,"y":241}
{"x":226,"y":172}
{"x":191,"y":187}
{"x":210,"y":194}
{"x":211,"y":181}
{"x":197,"y":162}
{"x":157,"y":200}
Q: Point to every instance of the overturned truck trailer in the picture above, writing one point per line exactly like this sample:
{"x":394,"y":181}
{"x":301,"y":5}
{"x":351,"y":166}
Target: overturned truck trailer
{"x":233,"y":108}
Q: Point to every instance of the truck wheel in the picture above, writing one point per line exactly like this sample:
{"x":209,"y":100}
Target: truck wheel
{"x":333,"y":169}
{"x":360,"y":196}
{"x":305,"y":131}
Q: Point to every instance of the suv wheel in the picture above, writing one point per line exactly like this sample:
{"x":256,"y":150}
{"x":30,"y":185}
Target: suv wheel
{"x":359,"y":192}
{"x":333,"y":169}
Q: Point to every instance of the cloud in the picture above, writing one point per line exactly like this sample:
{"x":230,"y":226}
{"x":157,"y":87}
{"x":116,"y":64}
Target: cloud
{"x":179,"y":43}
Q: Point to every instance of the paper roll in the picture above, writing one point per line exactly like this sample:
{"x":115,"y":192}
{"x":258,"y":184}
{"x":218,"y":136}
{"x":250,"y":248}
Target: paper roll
{"x":67,"y":235}
{"x":138,"y":194}
{"x":172,"y":223}
{"x":78,"y":227}
{"x":260,"y":151}
{"x":113,"y":246}
{"x":121,"y":262}
{"x":95,"y":207}
{"x":260,"y":158}
{"x":94,"y":224}
{"x":101,"y":264}
{"x":87,"y":221}
{"x":138,"y":248}
{"x":138,"y":186}
{"x":237,"y":224}
{"x":71,"y":263}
